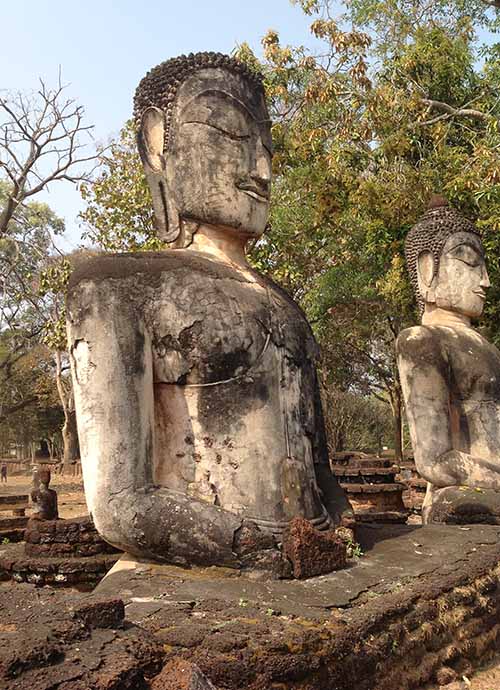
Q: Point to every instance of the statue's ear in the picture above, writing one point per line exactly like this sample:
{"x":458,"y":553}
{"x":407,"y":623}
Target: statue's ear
{"x":150,"y":139}
{"x":425,"y":272}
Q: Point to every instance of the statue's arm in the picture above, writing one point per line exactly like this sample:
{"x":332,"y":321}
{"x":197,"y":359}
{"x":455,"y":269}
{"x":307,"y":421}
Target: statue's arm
{"x":423,"y":371}
{"x":111,"y":360}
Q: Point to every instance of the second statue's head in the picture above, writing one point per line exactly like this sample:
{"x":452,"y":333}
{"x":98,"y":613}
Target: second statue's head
{"x":205,"y":142}
{"x":446,"y":262}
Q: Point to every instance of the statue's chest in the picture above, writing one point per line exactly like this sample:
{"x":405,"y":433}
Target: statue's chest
{"x":222,"y":328}
{"x":474,"y":368}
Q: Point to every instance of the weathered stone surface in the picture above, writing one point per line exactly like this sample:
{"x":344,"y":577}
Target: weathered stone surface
{"x":311,"y":552}
{"x":377,"y":502}
{"x":15,"y":503}
{"x":450,"y":374}
{"x":43,"y":499}
{"x":58,"y":570}
{"x":420,"y":602}
{"x":44,"y":645}
{"x":75,"y":538}
{"x":464,"y":506}
{"x":180,"y":674}
{"x":195,"y":384}
{"x":108,"y":613}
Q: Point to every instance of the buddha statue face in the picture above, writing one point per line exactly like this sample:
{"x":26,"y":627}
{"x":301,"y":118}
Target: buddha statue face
{"x":208,"y":158}
{"x":461,"y":279}
{"x":445,"y":259}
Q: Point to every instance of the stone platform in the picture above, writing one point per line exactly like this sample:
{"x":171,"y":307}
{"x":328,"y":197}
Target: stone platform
{"x":60,"y":570}
{"x":422,"y":603}
{"x":12,"y":528}
{"x":58,"y":552}
{"x":372,"y":489}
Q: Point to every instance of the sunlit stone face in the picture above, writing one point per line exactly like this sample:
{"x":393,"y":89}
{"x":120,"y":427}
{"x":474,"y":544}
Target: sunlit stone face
{"x":219,"y":152}
{"x":462,"y":277}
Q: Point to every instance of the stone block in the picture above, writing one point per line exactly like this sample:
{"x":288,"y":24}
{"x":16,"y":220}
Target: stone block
{"x":108,"y":613}
{"x":312,"y":552}
{"x":461,"y":505}
{"x":179,"y":674}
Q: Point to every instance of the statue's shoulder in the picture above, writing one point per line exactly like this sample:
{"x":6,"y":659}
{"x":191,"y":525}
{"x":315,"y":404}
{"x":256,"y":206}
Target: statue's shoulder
{"x":126,"y":265}
{"x":421,"y":344}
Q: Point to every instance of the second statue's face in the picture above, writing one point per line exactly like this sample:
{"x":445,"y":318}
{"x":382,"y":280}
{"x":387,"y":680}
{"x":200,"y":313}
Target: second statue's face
{"x":218,"y":160}
{"x":462,"y":277}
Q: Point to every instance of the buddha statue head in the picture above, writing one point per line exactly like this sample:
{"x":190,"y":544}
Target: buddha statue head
{"x":446,"y":263}
{"x":205,"y":143}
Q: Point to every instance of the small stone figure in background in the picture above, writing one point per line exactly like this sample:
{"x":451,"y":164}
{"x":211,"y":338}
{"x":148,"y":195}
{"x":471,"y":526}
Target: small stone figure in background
{"x":44,"y":499}
{"x":3,"y":472}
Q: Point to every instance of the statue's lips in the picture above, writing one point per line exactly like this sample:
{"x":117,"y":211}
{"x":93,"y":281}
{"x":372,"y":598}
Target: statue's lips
{"x":480,"y":293}
{"x":253,"y":191}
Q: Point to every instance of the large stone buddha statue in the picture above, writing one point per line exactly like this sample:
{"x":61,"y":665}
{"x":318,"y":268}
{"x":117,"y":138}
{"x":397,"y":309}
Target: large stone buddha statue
{"x":196,"y":393}
{"x":450,"y":374}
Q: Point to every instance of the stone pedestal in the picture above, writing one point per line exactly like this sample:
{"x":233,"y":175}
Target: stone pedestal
{"x":416,"y":487}
{"x":58,"y":552}
{"x":461,"y":505}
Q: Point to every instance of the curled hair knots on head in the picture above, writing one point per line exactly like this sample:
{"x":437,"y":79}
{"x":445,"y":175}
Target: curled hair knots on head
{"x":430,"y":233}
{"x":159,"y":87}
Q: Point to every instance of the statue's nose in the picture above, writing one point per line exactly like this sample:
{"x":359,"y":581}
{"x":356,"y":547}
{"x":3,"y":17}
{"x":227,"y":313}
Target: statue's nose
{"x":262,"y":169}
{"x":485,"y":280}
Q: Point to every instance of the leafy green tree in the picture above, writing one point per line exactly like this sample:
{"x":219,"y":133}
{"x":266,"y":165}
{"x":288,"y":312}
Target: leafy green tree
{"x":362,"y":141}
{"x":119,"y":211}
{"x":24,"y":249}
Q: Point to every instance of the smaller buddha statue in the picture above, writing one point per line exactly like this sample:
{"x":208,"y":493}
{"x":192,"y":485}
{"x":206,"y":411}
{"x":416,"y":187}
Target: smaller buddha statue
{"x":44,"y":500}
{"x":450,"y":373}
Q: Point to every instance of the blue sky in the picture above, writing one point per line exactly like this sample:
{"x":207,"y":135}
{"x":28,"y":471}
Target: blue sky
{"x":104,"y":47}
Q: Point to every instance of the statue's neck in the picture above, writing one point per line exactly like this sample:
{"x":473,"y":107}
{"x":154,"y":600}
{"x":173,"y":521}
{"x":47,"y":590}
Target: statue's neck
{"x":222,"y":244}
{"x":436,"y":316}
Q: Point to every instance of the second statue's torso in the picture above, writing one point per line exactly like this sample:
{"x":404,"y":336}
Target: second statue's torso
{"x":237,"y":416}
{"x":470,"y":367}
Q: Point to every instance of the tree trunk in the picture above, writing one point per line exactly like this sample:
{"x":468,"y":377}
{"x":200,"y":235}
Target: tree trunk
{"x":71,"y":449}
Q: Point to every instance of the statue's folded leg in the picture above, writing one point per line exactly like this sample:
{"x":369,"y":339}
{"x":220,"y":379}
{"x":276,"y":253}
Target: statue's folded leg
{"x":170,"y":526}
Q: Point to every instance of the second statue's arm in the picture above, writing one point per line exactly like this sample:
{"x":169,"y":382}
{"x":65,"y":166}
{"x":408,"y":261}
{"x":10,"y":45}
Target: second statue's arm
{"x":111,"y":361}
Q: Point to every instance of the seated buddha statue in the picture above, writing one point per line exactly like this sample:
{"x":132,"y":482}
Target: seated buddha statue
{"x":43,"y":499}
{"x":450,"y":373}
{"x":196,"y":392}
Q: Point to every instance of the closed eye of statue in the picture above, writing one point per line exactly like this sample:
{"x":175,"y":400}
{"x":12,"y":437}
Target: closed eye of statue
{"x":467,"y":255}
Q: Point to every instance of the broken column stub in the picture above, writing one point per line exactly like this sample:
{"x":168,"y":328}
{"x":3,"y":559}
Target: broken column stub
{"x":195,"y":385}
{"x":450,"y":373}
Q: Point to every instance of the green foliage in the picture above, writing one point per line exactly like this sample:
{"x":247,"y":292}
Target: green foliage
{"x":119,"y":214}
{"x":354,"y":549}
{"x":26,"y":371}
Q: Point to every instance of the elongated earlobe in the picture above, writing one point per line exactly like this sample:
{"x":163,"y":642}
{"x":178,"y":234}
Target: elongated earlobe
{"x":150,"y":140}
{"x":425,"y":273}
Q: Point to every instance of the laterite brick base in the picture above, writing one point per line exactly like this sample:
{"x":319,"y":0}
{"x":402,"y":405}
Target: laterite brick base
{"x":421,"y":604}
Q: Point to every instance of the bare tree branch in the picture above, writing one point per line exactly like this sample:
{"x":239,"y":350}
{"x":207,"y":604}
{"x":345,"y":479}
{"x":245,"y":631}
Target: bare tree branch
{"x":450,"y":110}
{"x":40,"y":143}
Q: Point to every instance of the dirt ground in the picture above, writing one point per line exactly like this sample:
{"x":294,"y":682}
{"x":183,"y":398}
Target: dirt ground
{"x":69,"y":492}
{"x":485,"y":678}
{"x":72,"y":504}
